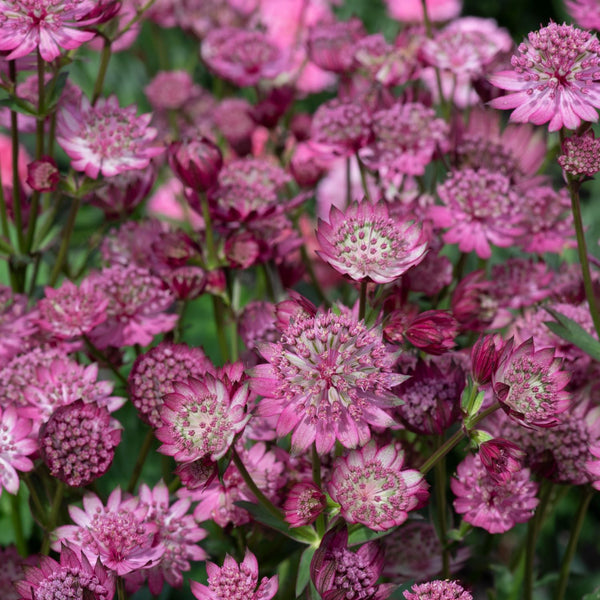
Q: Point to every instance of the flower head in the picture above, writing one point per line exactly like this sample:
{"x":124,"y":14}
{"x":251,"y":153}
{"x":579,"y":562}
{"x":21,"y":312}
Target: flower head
{"x":43,"y":174}
{"x":304,"y":503}
{"x":372,"y":488}
{"x":581,"y":155}
{"x":73,"y":577}
{"x":11,"y":571}
{"x":555,"y":78}
{"x":530,"y":385}
{"x":17,"y":324}
{"x":366,"y":243}
{"x":331,"y":45}
{"x":412,"y":10}
{"x":196,"y":163}
{"x":501,"y":458}
{"x":438,"y":590}
{"x":15,"y":448}
{"x":328,"y":378}
{"x":201,"y":418}
{"x":235,"y":581}
{"x":105,"y":138}
{"x":78,"y":442}
{"x":485,"y":354}
{"x":485,"y":502}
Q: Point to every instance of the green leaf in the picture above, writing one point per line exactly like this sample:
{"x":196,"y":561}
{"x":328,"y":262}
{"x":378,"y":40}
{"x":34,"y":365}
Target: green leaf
{"x":363,"y":534}
{"x":54,"y":89}
{"x":303,"y":576}
{"x":569,"y":330}
{"x":595,"y":595}
{"x":18,"y":105}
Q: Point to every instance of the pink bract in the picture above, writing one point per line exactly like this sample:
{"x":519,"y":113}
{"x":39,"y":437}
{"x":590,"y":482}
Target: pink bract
{"x":412,"y":10}
{"x":554,"y":79}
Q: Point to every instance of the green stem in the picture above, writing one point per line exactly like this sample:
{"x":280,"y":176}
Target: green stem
{"x":219,"y":312}
{"x":15,"y":513}
{"x":208,"y":233}
{"x":64,"y":245}
{"x":266,"y":503}
{"x":4,"y":213}
{"x":52,"y":519}
{"x":572,"y":545}
{"x":141,"y":459}
{"x":362,"y":302}
{"x":582,"y":251}
{"x":14,"y":131}
{"x":104,"y":60}
{"x":316,"y":473}
{"x":348,"y":181}
{"x":34,"y":495}
{"x":363,"y":178}
{"x":440,"y":495}
{"x":121,"y":595}
{"x":308,"y":265}
{"x":452,"y":441}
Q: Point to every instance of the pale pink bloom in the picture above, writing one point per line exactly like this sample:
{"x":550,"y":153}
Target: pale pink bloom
{"x":479,"y":209}
{"x":484,"y":502}
{"x":49,"y":26}
{"x":585,"y":13}
{"x":328,"y":379}
{"x":372,"y":487}
{"x":235,"y":581}
{"x":15,"y":447}
{"x":366,"y":243}
{"x":438,"y":590}
{"x":169,"y":89}
{"x":118,"y":534}
{"x":17,"y":324}
{"x":554,"y":79}
{"x":412,"y":10}
{"x":106,"y":138}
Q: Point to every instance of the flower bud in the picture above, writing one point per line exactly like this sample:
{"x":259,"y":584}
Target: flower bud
{"x":196,"y":163}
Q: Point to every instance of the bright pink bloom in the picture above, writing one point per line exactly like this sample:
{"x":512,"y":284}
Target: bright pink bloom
{"x":15,"y":448}
{"x":340,"y":574}
{"x":304,"y":503}
{"x":137,"y":305}
{"x":554,"y":78}
{"x":372,"y":487}
{"x":196,"y":163}
{"x":438,"y":590}
{"x":530,"y":385}
{"x":72,"y":310}
{"x":27,"y":24}
{"x":331,"y":45}
{"x":201,"y":418}
{"x":501,"y":458}
{"x":328,"y":379}
{"x":235,"y":581}
{"x":432,"y":331}
{"x":479,"y":208}
{"x":241,"y":56}
{"x":486,"y":503}
{"x":78,"y":442}
{"x":118,"y":533}
{"x":73,"y":577}
{"x":581,"y":155}
{"x":177,"y":531}
{"x":366,"y":243}
{"x":412,"y":10}
{"x":105,"y":137}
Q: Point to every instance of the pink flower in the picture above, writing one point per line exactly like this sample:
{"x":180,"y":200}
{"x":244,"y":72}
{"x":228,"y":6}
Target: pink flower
{"x":479,"y":208}
{"x":118,"y":533}
{"x":304,"y":503}
{"x":586,"y":13}
{"x":501,"y":458}
{"x":17,"y":324}
{"x":28,"y":24}
{"x":366,"y":243}
{"x":73,"y":577}
{"x":241,"y":56}
{"x":105,"y":138}
{"x":11,"y":571}
{"x":201,"y":418}
{"x":15,"y":448}
{"x":432,"y":331}
{"x":235,"y":581}
{"x":554,"y":78}
{"x":581,"y":155}
{"x":530,"y":385}
{"x":196,"y":163}
{"x":437,"y":590}
{"x":78,"y":442}
{"x":327,"y":379}
{"x":43,"y":174}
{"x":372,"y":488}
{"x":331,"y":45}
{"x":486,"y":503}
{"x":485,"y":353}
{"x":412,"y":10}
{"x":169,"y":89}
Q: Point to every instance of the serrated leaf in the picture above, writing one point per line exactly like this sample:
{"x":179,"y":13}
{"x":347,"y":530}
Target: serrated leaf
{"x":571,"y":331}
{"x":303,"y":576}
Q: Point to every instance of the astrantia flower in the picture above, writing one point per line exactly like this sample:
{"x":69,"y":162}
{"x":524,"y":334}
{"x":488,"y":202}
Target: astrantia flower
{"x":486,"y":503}
{"x":366,"y":243}
{"x":328,"y":379}
{"x":581,"y":155}
{"x":105,"y":138}
{"x":372,"y":488}
{"x":72,"y":310}
{"x":340,"y":574}
{"x":196,"y":162}
{"x":235,"y":581}
{"x":43,"y":174}
{"x":586,"y":13}
{"x":438,"y":590}
{"x":17,"y":323}
{"x":29,"y":24}
{"x":78,"y":442}
{"x":530,"y":385}
{"x":136,"y":311}
{"x":485,"y":354}
{"x":169,"y":89}
{"x":201,"y":418}
{"x":73,"y":577}
{"x":555,"y":78}
{"x":412,"y":10}
{"x":501,"y":458}
{"x":11,"y":571}
{"x":117,"y":533}
{"x":304,"y":503}
{"x":15,"y":447}
{"x":331,"y":45}
{"x":241,"y":56}
{"x":177,"y":531}
{"x":154,"y":372}
{"x":479,"y":208}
